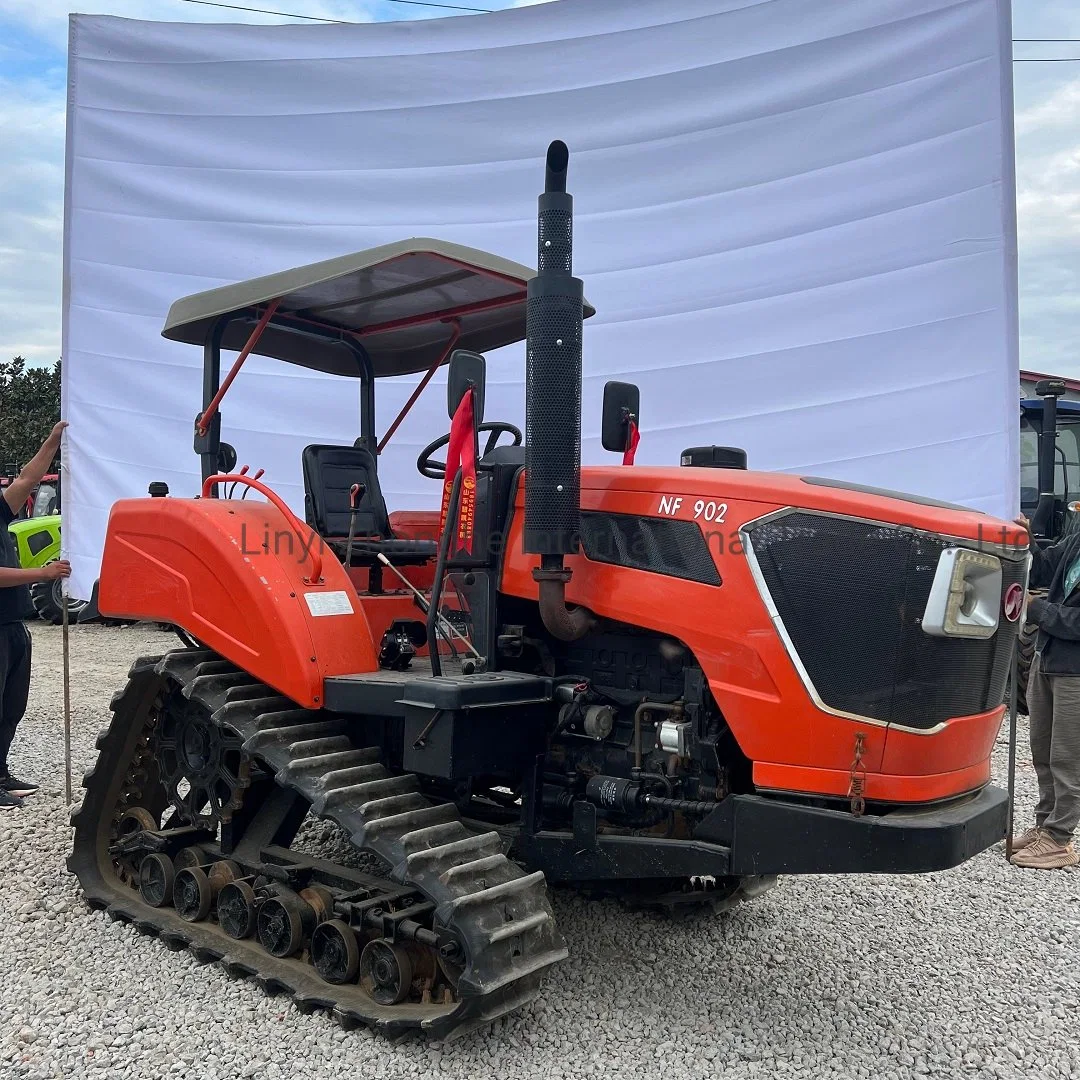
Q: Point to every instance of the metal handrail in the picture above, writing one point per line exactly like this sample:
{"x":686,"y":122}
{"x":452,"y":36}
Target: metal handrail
{"x":297,"y":524}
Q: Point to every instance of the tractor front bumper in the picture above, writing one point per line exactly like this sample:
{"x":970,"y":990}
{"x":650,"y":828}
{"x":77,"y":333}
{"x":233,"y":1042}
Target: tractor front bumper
{"x":757,"y":836}
{"x":771,"y":836}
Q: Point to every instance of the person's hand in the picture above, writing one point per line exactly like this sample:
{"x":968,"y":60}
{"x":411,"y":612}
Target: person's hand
{"x":1023,"y":523}
{"x":61,"y":568}
{"x":57,"y":432}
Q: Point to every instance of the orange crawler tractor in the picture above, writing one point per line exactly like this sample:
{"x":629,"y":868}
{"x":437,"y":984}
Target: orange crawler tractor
{"x":669,"y":684}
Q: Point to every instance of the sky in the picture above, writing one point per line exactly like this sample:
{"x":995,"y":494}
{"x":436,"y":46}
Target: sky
{"x":33,"y":43}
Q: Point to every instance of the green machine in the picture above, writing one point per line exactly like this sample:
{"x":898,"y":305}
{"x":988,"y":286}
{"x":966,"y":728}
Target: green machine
{"x":37,"y":542}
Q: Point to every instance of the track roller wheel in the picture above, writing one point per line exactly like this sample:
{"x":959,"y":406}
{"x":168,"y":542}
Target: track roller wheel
{"x":135,"y":820}
{"x":221,"y":874}
{"x":236,"y":909}
{"x":156,"y":877}
{"x":385,"y":972}
{"x":192,"y":856}
{"x":283,"y":922}
{"x":334,"y":952}
{"x":320,"y":900}
{"x":192,"y":895}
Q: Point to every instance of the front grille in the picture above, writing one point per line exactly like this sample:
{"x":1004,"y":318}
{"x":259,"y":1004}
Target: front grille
{"x":661,"y":545}
{"x":851,"y":596}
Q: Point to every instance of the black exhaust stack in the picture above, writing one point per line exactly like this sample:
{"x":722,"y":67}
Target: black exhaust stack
{"x":1042,"y":522}
{"x":553,"y":403}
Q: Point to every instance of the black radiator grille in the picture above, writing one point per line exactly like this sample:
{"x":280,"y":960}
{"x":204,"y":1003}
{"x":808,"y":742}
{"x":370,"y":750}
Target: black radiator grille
{"x":663,"y":546}
{"x":851,"y":596}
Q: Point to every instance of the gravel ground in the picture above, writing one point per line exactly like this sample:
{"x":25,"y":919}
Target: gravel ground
{"x":973,"y":972}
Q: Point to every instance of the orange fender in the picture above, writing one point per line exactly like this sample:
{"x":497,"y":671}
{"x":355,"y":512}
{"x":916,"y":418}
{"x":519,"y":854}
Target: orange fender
{"x":232,"y":574}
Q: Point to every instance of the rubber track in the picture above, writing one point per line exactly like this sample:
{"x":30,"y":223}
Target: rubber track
{"x":500,"y":914}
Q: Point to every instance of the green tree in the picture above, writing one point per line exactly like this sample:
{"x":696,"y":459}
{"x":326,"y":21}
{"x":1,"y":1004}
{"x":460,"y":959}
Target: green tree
{"x":29,"y":407}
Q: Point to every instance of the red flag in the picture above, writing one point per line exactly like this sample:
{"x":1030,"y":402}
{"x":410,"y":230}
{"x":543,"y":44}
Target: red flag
{"x":632,"y":442}
{"x":461,"y":453}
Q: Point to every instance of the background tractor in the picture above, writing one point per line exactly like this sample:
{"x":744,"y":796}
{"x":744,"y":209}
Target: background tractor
{"x":1050,"y":464}
{"x":670,"y":684}
{"x":36,"y":532}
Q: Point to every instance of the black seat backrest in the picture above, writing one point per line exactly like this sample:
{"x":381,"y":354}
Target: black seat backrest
{"x":329,"y":473}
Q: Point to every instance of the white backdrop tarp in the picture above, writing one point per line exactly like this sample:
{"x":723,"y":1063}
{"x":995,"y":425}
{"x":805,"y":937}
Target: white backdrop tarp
{"x":796,"y":220}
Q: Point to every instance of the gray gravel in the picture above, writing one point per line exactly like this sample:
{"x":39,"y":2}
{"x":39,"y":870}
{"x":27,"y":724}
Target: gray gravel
{"x":974,"y":972}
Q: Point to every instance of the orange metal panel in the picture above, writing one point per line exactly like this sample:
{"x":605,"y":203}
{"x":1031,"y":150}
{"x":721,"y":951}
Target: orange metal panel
{"x":730,"y":632}
{"x":964,"y":741}
{"x":917,"y":788}
{"x":231,"y":573}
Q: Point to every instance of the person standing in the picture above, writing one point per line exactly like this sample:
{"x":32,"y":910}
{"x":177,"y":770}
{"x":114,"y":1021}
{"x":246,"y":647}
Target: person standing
{"x":15,"y":608}
{"x":1053,"y":695}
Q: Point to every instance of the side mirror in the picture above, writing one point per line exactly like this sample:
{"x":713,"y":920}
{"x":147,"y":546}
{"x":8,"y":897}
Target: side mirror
{"x":622,"y":401}
{"x":467,"y":369}
{"x":226,"y":458}
{"x":1050,"y":388}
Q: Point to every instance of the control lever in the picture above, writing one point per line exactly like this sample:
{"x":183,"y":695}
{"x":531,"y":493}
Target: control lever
{"x":354,"y":505}
{"x":421,"y":601}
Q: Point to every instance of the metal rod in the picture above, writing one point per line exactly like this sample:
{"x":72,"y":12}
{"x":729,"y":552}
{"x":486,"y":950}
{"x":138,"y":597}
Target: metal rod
{"x":447,"y":624}
{"x":314,"y":552}
{"x":423,"y":382}
{"x":1013,"y":680}
{"x":208,"y":413}
{"x":449,"y":528}
{"x":67,"y":693}
{"x":354,"y":498}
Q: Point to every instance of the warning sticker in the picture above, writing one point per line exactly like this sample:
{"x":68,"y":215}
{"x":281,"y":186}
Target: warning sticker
{"x":329,"y":603}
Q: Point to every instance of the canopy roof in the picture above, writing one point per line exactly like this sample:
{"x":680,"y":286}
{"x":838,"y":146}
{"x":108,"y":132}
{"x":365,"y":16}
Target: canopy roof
{"x":397,"y":301}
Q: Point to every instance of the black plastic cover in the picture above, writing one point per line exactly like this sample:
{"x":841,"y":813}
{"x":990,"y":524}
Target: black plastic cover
{"x":714,"y":457}
{"x":467,"y":369}
{"x":621,"y":399}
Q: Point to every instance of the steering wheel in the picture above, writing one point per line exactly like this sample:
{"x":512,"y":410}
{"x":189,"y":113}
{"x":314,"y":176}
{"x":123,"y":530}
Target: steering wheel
{"x":436,"y":470}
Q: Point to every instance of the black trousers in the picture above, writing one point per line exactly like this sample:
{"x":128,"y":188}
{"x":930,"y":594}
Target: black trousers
{"x":15,"y":649}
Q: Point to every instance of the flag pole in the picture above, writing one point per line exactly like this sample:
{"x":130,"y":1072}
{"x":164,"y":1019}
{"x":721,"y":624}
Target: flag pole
{"x":67,"y":658}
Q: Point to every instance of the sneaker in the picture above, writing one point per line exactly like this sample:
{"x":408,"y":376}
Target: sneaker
{"x":1026,"y":839}
{"x":9,"y":802}
{"x":1045,"y":853}
{"x":17,"y":787}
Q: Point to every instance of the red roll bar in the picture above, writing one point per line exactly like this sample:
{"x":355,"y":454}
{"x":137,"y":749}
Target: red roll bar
{"x":294,"y":521}
{"x":203,"y":423}
{"x":423,"y":382}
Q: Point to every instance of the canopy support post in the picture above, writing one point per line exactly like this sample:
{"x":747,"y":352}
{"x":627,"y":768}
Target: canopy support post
{"x":455,"y":334}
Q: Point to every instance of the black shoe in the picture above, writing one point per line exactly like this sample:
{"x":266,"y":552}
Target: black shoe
{"x":17,"y":787}
{"x":9,"y":802}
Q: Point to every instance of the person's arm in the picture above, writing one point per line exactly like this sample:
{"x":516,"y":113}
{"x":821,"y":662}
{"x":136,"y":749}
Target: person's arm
{"x":1044,"y":564}
{"x":1056,"y":619}
{"x":10,"y":576}
{"x":1044,"y":561}
{"x":20,"y":489}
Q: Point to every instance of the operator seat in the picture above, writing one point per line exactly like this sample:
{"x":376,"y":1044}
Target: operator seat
{"x":329,"y":473}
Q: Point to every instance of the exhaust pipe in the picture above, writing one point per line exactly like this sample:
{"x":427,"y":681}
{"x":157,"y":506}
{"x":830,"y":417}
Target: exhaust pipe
{"x":1042,"y":521}
{"x":554,"y":317}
